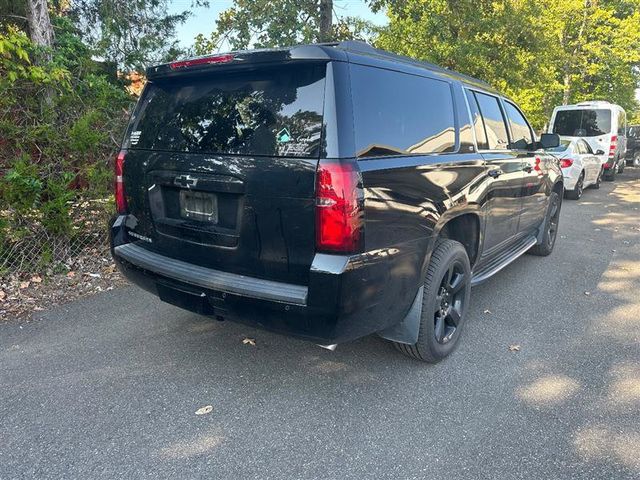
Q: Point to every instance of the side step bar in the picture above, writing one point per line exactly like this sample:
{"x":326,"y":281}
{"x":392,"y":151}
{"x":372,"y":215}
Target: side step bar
{"x":502,"y":260}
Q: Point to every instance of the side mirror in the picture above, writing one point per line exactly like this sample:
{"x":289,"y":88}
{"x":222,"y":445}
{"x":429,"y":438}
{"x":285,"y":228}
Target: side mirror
{"x":599,"y":152}
{"x":549,"y":140}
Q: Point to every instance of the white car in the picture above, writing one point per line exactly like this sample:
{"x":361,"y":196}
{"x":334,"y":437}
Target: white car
{"x":601,"y":124}
{"x":581,"y":167}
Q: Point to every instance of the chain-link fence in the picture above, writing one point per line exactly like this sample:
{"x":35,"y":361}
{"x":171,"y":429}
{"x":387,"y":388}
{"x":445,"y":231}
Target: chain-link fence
{"x":27,"y":246}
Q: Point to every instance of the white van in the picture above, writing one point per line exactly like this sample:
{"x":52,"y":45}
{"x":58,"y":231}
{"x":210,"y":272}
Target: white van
{"x":602,"y":124}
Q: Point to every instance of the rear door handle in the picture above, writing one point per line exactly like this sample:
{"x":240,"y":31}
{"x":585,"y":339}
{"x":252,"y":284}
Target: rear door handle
{"x":495,"y":173}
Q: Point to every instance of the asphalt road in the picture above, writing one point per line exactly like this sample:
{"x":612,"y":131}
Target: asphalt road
{"x":107,"y":387}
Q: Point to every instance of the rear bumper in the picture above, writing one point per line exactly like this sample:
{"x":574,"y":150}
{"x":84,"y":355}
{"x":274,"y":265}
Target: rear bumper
{"x":347,"y":297}
{"x":570,"y":177}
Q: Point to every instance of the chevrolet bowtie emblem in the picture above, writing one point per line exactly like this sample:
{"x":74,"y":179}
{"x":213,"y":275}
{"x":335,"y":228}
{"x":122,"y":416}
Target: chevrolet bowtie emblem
{"x":185,"y":181}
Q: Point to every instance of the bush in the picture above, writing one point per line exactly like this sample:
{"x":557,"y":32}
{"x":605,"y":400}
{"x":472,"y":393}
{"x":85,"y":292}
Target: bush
{"x":61,"y":118}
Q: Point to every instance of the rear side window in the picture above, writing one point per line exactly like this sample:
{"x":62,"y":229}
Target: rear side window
{"x":397,"y":113}
{"x":520,"y":130}
{"x":275,"y":112}
{"x":585,"y":147}
{"x":494,"y":121}
{"x":582,"y":122}
{"x":476,"y":118}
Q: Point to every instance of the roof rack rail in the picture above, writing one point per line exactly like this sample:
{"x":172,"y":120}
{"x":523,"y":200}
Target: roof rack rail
{"x":360,"y":46}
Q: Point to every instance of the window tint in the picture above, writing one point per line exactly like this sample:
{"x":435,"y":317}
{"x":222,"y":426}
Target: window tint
{"x":269,"y":112}
{"x":582,"y":122}
{"x":520,"y":130}
{"x":478,"y":125}
{"x":494,"y":121}
{"x":396,"y":113}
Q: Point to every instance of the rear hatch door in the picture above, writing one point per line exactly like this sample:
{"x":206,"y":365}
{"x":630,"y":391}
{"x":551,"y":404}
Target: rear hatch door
{"x":220,"y":168}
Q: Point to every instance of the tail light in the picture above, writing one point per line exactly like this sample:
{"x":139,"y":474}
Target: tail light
{"x":565,"y":162}
{"x":612,"y":147}
{"x":339,"y":207}
{"x":606,"y":165}
{"x":121,"y":199}
{"x":202,"y":61}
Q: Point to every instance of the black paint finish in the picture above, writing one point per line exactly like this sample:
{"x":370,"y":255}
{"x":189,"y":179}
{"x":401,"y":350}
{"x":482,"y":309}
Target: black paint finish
{"x":267,"y":208}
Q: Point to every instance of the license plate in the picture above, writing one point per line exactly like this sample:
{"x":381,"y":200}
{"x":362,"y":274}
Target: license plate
{"x":201,"y":206}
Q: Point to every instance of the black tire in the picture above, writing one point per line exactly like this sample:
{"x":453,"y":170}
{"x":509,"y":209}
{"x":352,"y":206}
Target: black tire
{"x":596,"y":186}
{"x":621,"y":167}
{"x":447,"y":288}
{"x":545,"y":247}
{"x":636,"y":159}
{"x":576,"y":193}
{"x":610,"y":175}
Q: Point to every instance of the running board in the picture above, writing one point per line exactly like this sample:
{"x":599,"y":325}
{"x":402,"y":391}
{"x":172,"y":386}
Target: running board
{"x":502,"y":260}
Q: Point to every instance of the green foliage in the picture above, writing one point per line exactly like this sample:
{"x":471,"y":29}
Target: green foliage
{"x":541,"y":53}
{"x":275,"y":23}
{"x":130,"y":34}
{"x":56,"y":152}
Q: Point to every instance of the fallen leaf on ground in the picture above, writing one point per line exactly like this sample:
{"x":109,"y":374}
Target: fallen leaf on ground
{"x":204,"y":410}
{"x":36,"y":279}
{"x":487,"y":311}
{"x":24,"y":285}
{"x":71,"y":274}
{"x":2,"y":295}
{"x":249,"y":341}
{"x":514,"y":348}
{"x":587,"y":293}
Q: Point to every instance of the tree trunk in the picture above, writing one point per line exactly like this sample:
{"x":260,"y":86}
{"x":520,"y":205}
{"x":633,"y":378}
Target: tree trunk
{"x":326,"y":21}
{"x":566,"y":90}
{"x":41,"y":33}
{"x":40,"y":29}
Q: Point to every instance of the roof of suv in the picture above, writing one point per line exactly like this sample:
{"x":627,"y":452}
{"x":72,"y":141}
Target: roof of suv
{"x":358,"y":51}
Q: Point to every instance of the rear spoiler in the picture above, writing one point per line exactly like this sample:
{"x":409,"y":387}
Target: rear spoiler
{"x":246,"y":59}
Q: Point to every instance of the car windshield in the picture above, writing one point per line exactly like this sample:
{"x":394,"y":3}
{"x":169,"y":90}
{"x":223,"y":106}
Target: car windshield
{"x":564,"y":144}
{"x":582,"y":122}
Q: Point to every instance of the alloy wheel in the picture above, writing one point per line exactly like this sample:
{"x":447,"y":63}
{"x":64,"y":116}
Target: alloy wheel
{"x":449,"y":304}
{"x":580,"y":185}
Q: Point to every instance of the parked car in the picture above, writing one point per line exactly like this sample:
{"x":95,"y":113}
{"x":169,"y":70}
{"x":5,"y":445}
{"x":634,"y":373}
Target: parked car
{"x":329,"y":192}
{"x":581,"y":167}
{"x":602,"y":124}
{"x":633,"y":145}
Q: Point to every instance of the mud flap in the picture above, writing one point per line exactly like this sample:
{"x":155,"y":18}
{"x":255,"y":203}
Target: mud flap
{"x":407,"y":330}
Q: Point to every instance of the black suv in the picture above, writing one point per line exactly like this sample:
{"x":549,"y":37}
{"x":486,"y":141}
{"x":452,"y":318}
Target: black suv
{"x":329,"y":192}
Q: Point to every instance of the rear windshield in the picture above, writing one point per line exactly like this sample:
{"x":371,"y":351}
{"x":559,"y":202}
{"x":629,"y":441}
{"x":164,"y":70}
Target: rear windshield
{"x":582,"y":123}
{"x":564,"y":144}
{"x":276,"y":112}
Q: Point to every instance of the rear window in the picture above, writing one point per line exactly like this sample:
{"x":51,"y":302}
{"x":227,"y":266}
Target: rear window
{"x":582,"y":123}
{"x":276,"y":112}
{"x":564,"y":144}
{"x":397,"y":113}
